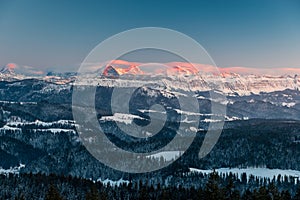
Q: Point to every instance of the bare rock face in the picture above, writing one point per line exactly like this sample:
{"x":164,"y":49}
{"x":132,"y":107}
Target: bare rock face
{"x":110,"y":72}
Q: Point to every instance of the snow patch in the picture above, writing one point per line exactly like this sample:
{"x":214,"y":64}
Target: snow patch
{"x":121,"y":117}
{"x":12,"y":170}
{"x":291,"y":104}
{"x":256,"y":172}
{"x":113,"y":183}
{"x":167,"y":155}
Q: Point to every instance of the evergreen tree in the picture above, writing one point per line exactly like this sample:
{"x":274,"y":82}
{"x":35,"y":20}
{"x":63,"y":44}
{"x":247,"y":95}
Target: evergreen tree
{"x":93,"y":194}
{"x":274,"y":192}
{"x":53,"y":194}
{"x":262,"y":194}
{"x":248,"y":195}
{"x":285,"y":195}
{"x":230,"y":192}
{"x":297,"y":195}
{"x":212,"y":190}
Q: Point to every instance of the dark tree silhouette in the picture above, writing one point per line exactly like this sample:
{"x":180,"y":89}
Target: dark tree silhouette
{"x":53,"y":194}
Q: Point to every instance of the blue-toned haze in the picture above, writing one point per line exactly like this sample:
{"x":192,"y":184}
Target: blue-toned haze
{"x":59,"y":34}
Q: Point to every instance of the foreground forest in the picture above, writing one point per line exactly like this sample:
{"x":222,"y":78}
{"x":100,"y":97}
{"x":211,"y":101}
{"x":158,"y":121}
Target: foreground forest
{"x":212,"y":186}
{"x":38,"y":132}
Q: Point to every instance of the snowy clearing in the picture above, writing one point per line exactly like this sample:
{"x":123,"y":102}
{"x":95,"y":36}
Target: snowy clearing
{"x":256,"y":172}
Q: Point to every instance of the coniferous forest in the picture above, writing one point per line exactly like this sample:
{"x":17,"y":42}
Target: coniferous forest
{"x":149,"y":100}
{"x":212,"y":186}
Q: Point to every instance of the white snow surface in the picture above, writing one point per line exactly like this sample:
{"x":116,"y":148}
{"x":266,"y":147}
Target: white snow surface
{"x":55,"y":130}
{"x":121,"y":117}
{"x":12,"y":170}
{"x":6,"y":128}
{"x":291,"y":104}
{"x":113,"y":183}
{"x":260,"y":172}
{"x":40,"y":123}
{"x":167,"y":155}
{"x":230,"y":84}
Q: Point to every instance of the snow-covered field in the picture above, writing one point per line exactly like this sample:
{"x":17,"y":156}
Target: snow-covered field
{"x":257,"y":172}
{"x":113,"y":183}
{"x":16,"y":126}
{"x":40,"y":123}
{"x":167,"y":155}
{"x":121,"y":117}
{"x":12,"y":170}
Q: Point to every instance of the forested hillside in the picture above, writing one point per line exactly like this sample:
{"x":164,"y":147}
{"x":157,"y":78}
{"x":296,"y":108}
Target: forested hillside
{"x":212,"y":186}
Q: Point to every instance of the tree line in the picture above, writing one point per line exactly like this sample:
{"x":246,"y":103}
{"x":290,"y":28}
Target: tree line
{"x":206,"y":186}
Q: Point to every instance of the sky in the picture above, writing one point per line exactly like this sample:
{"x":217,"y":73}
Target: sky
{"x":58,"y":34}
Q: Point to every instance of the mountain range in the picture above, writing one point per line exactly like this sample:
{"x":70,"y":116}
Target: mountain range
{"x":198,"y":77}
{"x":37,"y":128}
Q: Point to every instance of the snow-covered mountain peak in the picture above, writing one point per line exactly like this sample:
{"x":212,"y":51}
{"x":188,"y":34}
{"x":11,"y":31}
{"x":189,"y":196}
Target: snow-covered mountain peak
{"x":12,"y":71}
{"x":174,"y":76}
{"x":8,"y":69}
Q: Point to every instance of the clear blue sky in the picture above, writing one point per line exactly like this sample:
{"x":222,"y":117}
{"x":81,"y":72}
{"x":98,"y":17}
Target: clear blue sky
{"x":57,"y":33}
